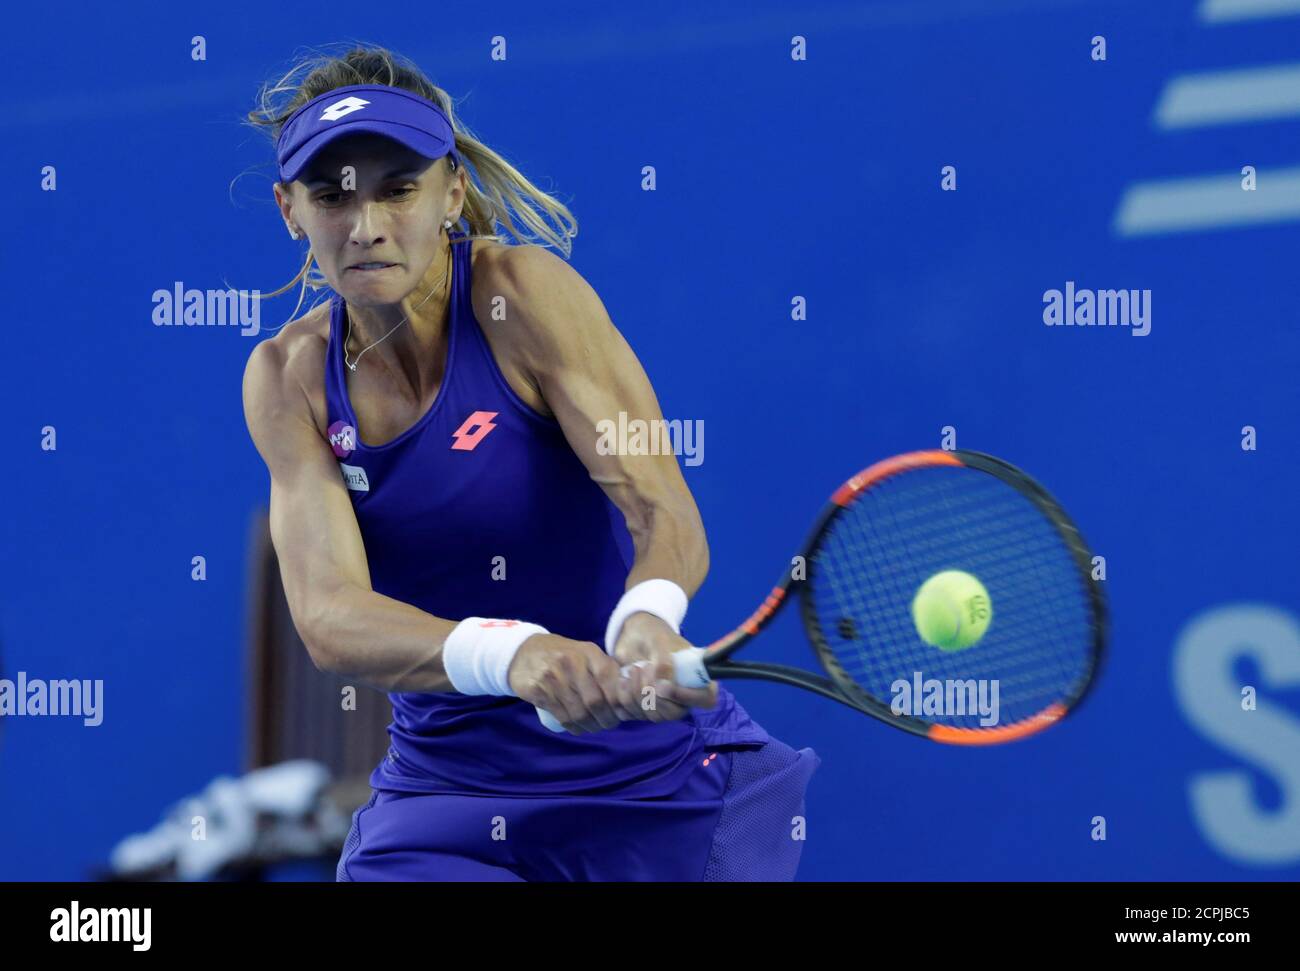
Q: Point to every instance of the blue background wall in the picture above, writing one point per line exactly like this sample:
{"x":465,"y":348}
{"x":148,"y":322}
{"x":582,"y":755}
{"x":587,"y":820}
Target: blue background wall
{"x":776,"y":178}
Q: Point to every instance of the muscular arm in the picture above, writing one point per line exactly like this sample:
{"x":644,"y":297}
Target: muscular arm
{"x":587,"y":373}
{"x":347,"y":627}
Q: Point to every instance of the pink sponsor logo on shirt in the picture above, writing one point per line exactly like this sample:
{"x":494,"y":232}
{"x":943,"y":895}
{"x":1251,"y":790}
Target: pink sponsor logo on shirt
{"x":343,"y":439}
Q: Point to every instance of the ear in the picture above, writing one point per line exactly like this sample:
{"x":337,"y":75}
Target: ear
{"x":283,"y":199}
{"x":459,"y":181}
{"x":285,"y":205}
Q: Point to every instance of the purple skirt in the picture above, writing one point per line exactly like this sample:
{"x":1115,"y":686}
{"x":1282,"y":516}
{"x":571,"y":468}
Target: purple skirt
{"x":738,"y":816}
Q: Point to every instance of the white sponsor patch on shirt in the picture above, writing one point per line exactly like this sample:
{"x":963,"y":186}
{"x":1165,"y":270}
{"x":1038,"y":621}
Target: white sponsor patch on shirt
{"x":355,"y":477}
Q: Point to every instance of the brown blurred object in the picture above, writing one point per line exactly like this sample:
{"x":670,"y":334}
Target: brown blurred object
{"x":294,"y":710}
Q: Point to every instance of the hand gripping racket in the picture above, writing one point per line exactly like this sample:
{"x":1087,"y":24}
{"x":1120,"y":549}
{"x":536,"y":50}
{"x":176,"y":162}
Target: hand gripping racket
{"x":881,"y":535}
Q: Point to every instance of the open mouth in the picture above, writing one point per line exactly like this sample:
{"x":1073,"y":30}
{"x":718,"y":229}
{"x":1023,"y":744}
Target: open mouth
{"x":372,"y":267}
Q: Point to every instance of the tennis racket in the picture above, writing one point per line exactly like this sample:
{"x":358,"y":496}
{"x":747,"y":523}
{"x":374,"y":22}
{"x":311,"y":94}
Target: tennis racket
{"x":881,"y":535}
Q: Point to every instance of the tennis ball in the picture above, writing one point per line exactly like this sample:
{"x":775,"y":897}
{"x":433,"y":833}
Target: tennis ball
{"x":952,"y":610}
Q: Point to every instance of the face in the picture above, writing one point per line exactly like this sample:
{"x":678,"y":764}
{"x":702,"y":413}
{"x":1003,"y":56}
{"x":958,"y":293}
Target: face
{"x":376,"y":231}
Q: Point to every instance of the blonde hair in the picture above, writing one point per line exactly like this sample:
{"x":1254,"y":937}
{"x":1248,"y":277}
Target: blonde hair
{"x":501,"y":189}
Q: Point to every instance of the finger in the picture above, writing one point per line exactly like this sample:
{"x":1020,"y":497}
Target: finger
{"x":626,"y":697}
{"x":630,"y":683}
{"x":602,"y":693}
{"x":565,"y":704}
{"x":705,"y":697}
{"x":630,"y":648}
{"x":665,"y":708}
{"x":626,"y":670}
{"x":579,"y":692}
{"x":567,"y":721}
{"x":646,"y":698}
{"x":591,"y":701}
{"x":670,"y":710}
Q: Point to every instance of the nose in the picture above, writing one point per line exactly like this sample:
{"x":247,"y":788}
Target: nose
{"x":368,"y":225}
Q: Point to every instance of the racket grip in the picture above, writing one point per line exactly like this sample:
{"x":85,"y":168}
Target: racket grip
{"x":549,"y":720}
{"x":688,"y":668}
{"x":688,"y":671}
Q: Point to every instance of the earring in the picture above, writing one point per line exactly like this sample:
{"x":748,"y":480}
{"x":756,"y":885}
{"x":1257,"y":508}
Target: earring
{"x":293,"y":232}
{"x":446,"y":224}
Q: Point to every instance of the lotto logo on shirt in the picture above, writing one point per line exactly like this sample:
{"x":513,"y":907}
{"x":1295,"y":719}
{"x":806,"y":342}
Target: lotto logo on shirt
{"x":343,"y":439}
{"x":473,"y":430}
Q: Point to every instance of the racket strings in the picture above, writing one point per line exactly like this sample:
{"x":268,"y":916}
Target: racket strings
{"x":879,"y":550}
{"x":1000,"y":654}
{"x":1019,"y":668}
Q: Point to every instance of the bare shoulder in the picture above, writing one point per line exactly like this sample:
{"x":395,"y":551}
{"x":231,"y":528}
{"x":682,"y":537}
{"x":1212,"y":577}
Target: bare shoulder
{"x":535,"y":288}
{"x":291,"y":365}
{"x":507,"y":266}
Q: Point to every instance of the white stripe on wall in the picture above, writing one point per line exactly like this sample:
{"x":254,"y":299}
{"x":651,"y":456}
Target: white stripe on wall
{"x":1215,"y":202}
{"x":1225,"y":11}
{"x":1225,"y":97}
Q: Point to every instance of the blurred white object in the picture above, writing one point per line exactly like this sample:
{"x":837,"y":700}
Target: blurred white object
{"x":274,"y":813}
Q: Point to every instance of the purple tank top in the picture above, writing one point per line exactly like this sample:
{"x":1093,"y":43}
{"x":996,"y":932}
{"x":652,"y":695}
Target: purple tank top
{"x":481,"y":508}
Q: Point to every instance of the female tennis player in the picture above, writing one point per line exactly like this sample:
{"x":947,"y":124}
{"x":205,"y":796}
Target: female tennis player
{"x":449,"y":531}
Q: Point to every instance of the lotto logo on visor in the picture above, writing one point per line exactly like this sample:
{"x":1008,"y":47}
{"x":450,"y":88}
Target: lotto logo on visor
{"x":395,"y":113}
{"x":341,"y":109}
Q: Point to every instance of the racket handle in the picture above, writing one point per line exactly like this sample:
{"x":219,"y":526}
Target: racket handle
{"x":688,"y":668}
{"x":549,"y":720}
{"x":688,"y":671}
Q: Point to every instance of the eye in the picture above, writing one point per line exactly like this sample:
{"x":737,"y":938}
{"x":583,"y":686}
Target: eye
{"x":330,"y":198}
{"x":404,"y":191}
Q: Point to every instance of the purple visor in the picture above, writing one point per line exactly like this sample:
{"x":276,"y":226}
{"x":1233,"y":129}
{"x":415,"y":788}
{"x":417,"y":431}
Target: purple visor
{"x":416,"y":122}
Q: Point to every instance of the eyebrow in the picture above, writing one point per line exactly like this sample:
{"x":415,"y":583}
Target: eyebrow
{"x":319,"y":178}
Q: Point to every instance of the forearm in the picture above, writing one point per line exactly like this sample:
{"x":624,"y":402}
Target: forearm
{"x":670,"y":545}
{"x":382,"y":642}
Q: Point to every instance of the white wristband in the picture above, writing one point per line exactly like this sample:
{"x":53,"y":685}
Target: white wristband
{"x":478,"y":652}
{"x":663,"y":598}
